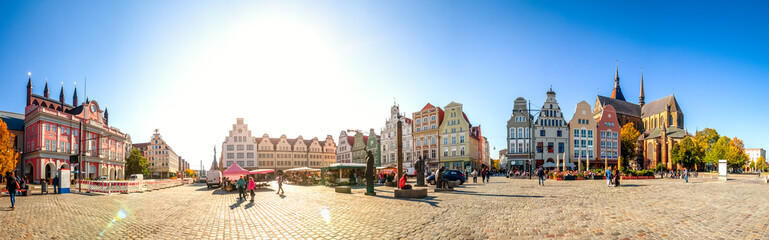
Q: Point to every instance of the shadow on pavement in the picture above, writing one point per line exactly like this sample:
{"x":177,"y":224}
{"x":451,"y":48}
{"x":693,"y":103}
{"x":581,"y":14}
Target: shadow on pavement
{"x":632,"y":185}
{"x":429,"y":199}
{"x":490,"y":195}
{"x":236,"y":205}
{"x":249,"y":205}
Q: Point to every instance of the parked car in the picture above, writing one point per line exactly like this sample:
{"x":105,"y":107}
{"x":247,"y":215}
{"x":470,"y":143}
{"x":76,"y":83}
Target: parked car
{"x":136,"y":177}
{"x":214,"y":178}
{"x":103,"y":178}
{"x":411,"y":172}
{"x":449,"y":175}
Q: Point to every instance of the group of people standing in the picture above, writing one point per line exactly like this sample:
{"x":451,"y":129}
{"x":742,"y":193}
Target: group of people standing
{"x":248,"y":187}
{"x":485,"y":174}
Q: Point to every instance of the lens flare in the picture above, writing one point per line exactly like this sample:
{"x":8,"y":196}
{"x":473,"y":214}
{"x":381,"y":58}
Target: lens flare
{"x":326,"y":215}
{"x":120,"y":215}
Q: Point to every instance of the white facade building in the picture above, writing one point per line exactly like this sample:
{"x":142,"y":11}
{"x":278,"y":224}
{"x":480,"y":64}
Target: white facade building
{"x":390,"y":139}
{"x":754,"y":154}
{"x":344,"y":149}
{"x":240,"y":147}
{"x":551,"y":133}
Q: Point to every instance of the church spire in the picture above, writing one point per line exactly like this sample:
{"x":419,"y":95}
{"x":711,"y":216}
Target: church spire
{"x":45,"y":90}
{"x":641,"y":99}
{"x":74,"y":97}
{"x":617,"y":93}
{"x":61,"y":94}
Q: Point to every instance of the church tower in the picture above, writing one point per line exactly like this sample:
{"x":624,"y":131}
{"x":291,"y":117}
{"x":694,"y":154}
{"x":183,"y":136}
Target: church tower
{"x":617,"y":93}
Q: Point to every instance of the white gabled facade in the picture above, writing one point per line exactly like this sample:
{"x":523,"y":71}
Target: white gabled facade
{"x":390,"y":140}
{"x":240,"y":147}
{"x":344,"y":149}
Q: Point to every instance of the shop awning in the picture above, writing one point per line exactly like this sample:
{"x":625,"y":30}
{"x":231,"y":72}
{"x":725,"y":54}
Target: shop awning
{"x":302,"y":169}
{"x":261,"y":171}
{"x":346,"y":166}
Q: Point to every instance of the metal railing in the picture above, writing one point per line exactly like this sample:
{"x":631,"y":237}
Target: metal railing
{"x":110,"y":187}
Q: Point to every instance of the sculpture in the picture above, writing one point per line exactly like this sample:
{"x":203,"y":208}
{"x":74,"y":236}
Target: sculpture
{"x":369,"y":173}
{"x":420,"y":169}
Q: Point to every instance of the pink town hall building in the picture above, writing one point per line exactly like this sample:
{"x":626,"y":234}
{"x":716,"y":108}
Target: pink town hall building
{"x":55,"y":130}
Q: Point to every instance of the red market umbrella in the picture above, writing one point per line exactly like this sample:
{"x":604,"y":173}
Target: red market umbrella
{"x":234,"y":172}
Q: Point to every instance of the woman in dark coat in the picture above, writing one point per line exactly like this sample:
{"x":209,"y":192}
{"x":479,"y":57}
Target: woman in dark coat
{"x":11,"y":185}
{"x":616,"y":176}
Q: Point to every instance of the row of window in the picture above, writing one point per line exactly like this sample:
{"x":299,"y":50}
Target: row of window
{"x":584,"y":154}
{"x":542,"y":132}
{"x":550,"y":122}
{"x":550,"y":147}
{"x":520,"y":119}
{"x":424,"y":141}
{"x":240,"y":139}
{"x":608,"y":134}
{"x":605,"y":144}
{"x":453,"y":151}
{"x":583,"y":121}
{"x":64,"y":130}
{"x":453,"y":130}
{"x":520,"y":133}
{"x":583,"y":133}
{"x":608,"y":124}
{"x":520,"y":148}
{"x":240,"y":155}
{"x":424,"y":128}
{"x":424,"y":119}
{"x":583,"y":143}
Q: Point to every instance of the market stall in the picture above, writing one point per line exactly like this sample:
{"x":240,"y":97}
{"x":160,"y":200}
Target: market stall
{"x":302,"y":175}
{"x":343,"y":173}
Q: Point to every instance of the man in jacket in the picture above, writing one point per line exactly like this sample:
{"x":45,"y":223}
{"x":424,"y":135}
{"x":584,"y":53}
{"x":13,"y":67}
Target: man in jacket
{"x":541,"y":175}
{"x":56,"y":188}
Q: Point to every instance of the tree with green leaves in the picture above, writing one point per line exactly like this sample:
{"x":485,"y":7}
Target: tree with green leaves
{"x":717,"y":151}
{"x":628,"y":141}
{"x":137,"y":164}
{"x":687,"y":153}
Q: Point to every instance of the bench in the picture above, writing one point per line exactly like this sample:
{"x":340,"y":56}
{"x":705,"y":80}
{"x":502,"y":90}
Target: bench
{"x":411,"y":193}
{"x":23,"y":192}
{"x":343,"y":189}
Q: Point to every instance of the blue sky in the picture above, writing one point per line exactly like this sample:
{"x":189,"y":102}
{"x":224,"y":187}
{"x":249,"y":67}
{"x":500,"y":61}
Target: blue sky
{"x":313,"y":68}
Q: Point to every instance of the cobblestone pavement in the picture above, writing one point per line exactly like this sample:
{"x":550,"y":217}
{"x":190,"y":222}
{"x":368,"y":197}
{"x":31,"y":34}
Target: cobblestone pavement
{"x":502,"y":209}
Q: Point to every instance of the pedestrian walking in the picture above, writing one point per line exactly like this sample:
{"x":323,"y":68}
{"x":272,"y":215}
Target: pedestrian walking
{"x":488,"y":175}
{"x":279,"y":179}
{"x":616,"y":176}
{"x":608,"y":176}
{"x":56,"y":185}
{"x":483,"y":175}
{"x":686,"y":175}
{"x":541,"y":176}
{"x":11,"y":186}
{"x":241,"y":184}
{"x":43,"y":187}
{"x":475,"y":176}
{"x":251,"y":187}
